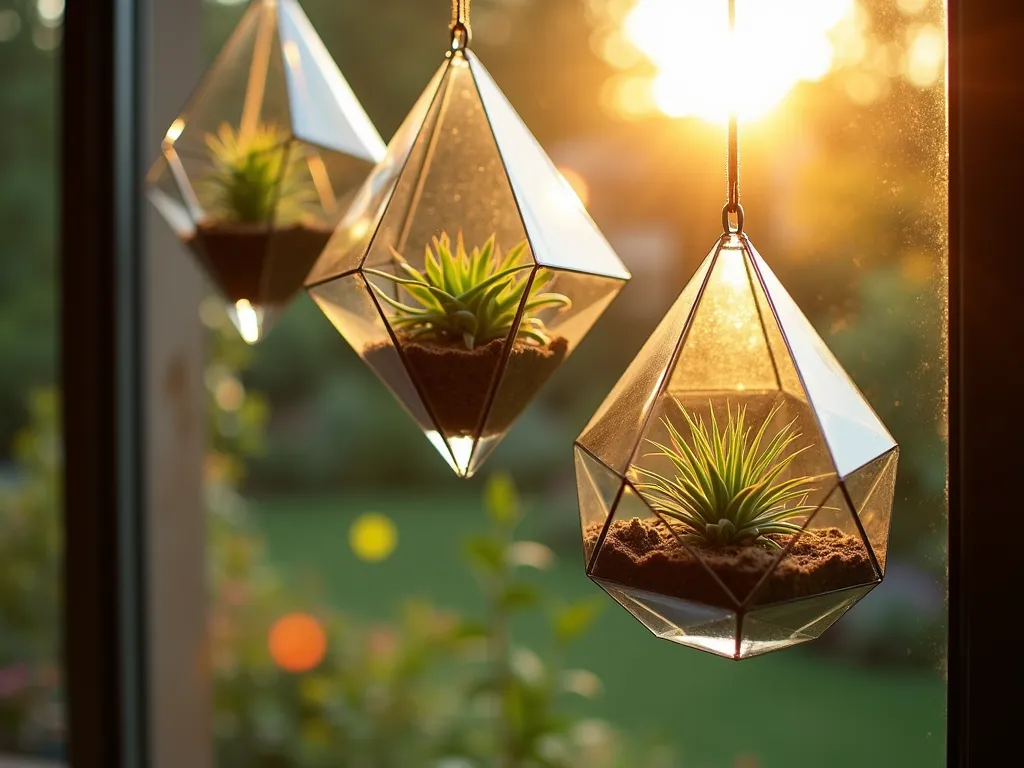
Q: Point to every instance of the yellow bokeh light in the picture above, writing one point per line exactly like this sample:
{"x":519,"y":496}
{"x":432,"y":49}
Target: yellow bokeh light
{"x":863,"y":87}
{"x":703,"y":71}
{"x":912,"y":7}
{"x":926,"y":55}
{"x":229,"y":394}
{"x":373,"y":537}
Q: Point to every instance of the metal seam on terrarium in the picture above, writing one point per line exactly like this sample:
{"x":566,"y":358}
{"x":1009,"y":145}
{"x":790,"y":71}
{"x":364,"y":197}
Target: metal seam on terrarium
{"x":428,"y":155}
{"x":676,"y":351}
{"x":748,"y":602}
{"x":495,"y":386}
{"x":875,"y":563}
{"x":789,"y":349}
{"x":258,"y":68}
{"x":748,"y":267}
{"x":264,"y":281}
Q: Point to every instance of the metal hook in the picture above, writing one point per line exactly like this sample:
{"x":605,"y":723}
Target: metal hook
{"x":461,"y":34}
{"x":727,"y":225}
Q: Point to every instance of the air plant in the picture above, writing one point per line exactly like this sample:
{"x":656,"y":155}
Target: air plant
{"x":726,"y":489}
{"x":255,"y":178}
{"x":469,"y":298}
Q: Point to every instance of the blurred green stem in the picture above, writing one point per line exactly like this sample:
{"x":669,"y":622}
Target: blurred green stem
{"x":500,"y":642}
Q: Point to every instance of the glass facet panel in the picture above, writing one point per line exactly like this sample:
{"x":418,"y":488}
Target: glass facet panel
{"x":454,"y":182}
{"x":560,"y":229}
{"x":556,"y":313}
{"x":854,"y":433}
{"x":614,"y":430}
{"x":871,"y":489}
{"x":598,"y":490}
{"x":358,"y":225}
{"x":828,"y":555}
{"x":725,"y":348}
{"x":165,"y":195}
{"x":351,"y":309}
{"x":803,"y":619}
{"x":670,"y":618}
{"x":324,"y":111}
{"x":645,"y":550}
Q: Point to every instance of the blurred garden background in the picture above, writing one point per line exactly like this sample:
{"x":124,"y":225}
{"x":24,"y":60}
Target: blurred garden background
{"x":345,"y":625}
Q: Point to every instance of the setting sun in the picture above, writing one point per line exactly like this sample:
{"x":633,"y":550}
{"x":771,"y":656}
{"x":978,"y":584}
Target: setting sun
{"x":778,"y":44}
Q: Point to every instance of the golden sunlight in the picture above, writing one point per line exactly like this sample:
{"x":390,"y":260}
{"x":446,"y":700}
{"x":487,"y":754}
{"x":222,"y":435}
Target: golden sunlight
{"x":778,"y":44}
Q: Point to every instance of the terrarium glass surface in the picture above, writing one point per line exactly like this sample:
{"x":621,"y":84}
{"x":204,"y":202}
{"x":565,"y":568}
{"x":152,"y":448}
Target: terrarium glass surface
{"x":735,"y":487}
{"x":259,"y":167}
{"x":466,"y":270}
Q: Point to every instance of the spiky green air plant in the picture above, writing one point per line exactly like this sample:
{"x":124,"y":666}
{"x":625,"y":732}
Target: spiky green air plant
{"x":726,"y":489}
{"x":469,"y":298}
{"x":255,"y":178}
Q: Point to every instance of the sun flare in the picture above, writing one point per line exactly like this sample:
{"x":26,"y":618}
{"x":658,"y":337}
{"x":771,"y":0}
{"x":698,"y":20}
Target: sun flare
{"x":703,"y":71}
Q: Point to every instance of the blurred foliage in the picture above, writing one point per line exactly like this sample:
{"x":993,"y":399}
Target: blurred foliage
{"x":436,"y":688}
{"x":30,"y":583}
{"x":28,"y":220}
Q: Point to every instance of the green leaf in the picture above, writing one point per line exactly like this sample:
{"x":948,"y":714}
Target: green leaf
{"x":485,"y":553}
{"x":575,"y":619}
{"x":471,"y":630}
{"x":520,"y":595}
{"x":501,"y":500}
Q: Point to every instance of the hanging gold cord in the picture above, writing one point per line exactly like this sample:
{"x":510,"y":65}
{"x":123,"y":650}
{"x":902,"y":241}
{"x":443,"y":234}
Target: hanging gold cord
{"x":733,"y":163}
{"x":461,"y":32}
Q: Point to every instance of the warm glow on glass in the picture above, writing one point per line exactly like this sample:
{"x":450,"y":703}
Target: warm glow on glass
{"x":291,"y":54}
{"x":248,"y":321}
{"x":297,"y":642}
{"x":777,"y":45}
{"x":174,"y":131}
{"x":373,"y":537}
{"x":926,"y":55}
{"x":578,"y":185}
{"x":911,"y":7}
{"x":733,"y":270}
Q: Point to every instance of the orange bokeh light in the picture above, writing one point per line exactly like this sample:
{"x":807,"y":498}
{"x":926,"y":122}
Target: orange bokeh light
{"x":297,"y":642}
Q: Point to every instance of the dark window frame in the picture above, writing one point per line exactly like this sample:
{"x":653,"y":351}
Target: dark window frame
{"x":104,"y":377}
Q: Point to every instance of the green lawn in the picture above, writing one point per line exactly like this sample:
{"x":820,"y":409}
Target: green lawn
{"x":790,"y":709}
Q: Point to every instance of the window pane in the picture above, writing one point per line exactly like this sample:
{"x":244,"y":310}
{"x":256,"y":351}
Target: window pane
{"x":352,"y":583}
{"x":31,"y":711}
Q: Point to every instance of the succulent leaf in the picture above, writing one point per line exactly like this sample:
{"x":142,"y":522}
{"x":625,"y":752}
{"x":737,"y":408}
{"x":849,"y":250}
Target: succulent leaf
{"x":254,"y":178}
{"x":726,"y":488}
{"x":469,"y":298}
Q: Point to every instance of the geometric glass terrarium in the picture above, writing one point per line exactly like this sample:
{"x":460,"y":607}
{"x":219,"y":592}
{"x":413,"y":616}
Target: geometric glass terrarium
{"x":467,"y":269}
{"x":735,"y":487}
{"x":258,"y":168}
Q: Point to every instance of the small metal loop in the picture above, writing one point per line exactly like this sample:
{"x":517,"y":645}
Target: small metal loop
{"x":460,"y":36}
{"x":727,"y":225}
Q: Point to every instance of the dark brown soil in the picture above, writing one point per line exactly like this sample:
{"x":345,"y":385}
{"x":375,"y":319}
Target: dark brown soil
{"x":264,"y":266}
{"x":646,"y":555}
{"x":456,"y":381}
